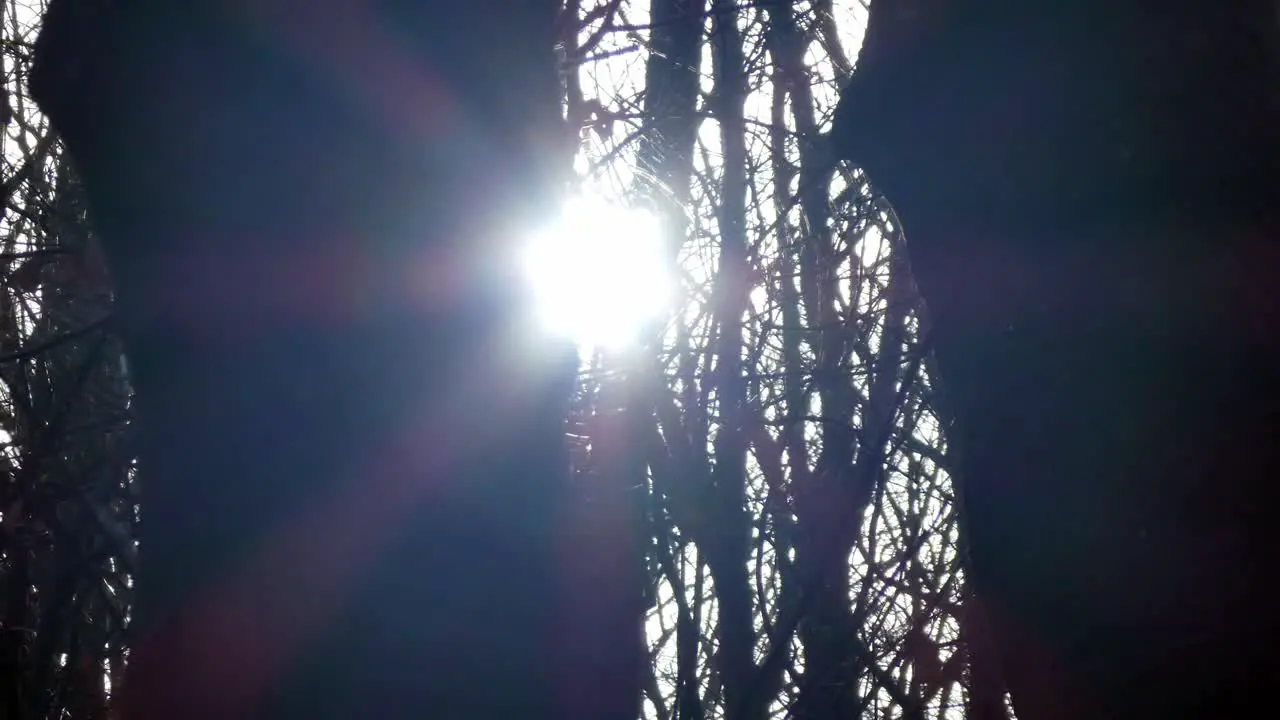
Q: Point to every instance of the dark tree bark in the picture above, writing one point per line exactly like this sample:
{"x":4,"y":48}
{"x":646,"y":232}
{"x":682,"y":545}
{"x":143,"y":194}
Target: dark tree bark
{"x":671,"y":100}
{"x":351,"y":461}
{"x":1091,"y":195}
{"x":727,"y":528}
{"x":665,"y":159}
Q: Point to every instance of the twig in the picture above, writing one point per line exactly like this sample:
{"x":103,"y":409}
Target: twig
{"x":40,"y":348}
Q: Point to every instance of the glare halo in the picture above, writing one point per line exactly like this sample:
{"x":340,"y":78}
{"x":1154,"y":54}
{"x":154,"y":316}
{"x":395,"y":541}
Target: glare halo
{"x":599,"y":272}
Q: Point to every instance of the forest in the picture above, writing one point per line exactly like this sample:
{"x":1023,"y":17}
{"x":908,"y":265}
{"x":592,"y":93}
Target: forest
{"x":949,"y":394}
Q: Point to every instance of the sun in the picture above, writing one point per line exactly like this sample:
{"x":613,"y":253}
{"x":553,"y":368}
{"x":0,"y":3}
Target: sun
{"x":599,"y":273}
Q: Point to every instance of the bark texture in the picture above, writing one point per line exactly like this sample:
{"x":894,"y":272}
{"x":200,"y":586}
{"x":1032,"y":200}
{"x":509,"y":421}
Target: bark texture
{"x":1091,"y":196}
{"x":351,"y":461}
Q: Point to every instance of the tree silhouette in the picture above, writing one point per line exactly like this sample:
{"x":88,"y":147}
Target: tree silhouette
{"x":66,"y":506}
{"x":350,"y":490}
{"x":1090,"y":194}
{"x":802,"y":546}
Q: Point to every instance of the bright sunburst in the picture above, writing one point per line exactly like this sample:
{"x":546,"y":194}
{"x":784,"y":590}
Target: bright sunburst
{"x":599,"y":273}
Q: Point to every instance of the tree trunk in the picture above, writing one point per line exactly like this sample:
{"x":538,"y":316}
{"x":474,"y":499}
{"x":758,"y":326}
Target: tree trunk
{"x":351,"y":458}
{"x":1091,"y":195}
